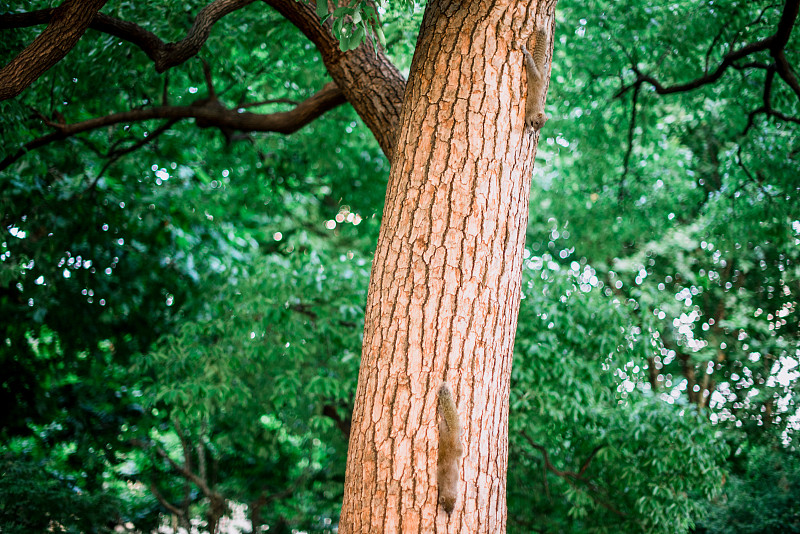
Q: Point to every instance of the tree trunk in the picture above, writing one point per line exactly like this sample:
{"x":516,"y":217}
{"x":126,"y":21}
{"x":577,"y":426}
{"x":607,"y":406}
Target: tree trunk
{"x":444,"y":292}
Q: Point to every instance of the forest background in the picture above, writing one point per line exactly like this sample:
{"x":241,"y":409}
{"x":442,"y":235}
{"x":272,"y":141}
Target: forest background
{"x":182,"y":300}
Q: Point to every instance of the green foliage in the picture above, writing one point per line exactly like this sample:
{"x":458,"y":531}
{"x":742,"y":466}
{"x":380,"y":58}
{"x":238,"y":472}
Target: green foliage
{"x":761,"y":495}
{"x":592,"y":449}
{"x":254,"y":381}
{"x":97,"y":264}
{"x":35,"y":499}
{"x":359,"y":21}
{"x":690,"y":221}
{"x":686,"y":212}
{"x":287,"y":328}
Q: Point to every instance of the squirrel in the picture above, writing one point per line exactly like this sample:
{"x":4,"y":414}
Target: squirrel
{"x":537,"y":82}
{"x":450,"y":449}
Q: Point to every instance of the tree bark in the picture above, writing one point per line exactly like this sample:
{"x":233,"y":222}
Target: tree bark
{"x":444,"y":292}
{"x":67,"y":25}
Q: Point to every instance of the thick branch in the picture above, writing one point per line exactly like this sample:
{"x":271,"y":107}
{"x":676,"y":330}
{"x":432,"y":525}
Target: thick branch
{"x":67,"y":24}
{"x":208,"y":113}
{"x":786,"y":23}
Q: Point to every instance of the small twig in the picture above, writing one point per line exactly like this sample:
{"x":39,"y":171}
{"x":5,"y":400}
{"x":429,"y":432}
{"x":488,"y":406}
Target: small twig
{"x":711,"y":48}
{"x":756,"y":181}
{"x":163,"y":501}
{"x":209,"y":80}
{"x":585,"y":465}
{"x":165,"y":92}
{"x":117,"y":155}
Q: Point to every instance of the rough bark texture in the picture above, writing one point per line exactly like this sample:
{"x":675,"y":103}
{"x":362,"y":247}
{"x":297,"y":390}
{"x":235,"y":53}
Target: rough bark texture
{"x":68,"y":23}
{"x":444,"y":293}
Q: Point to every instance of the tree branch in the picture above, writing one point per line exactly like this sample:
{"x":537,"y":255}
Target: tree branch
{"x":67,"y":24}
{"x":207,"y":112}
{"x":589,"y":459}
{"x":343,"y":425}
{"x":785,"y":71}
{"x":631,"y":131}
{"x":266,"y":102}
{"x":164,"y":502}
{"x":185,"y":472}
{"x":775,"y":44}
{"x":369,"y":81}
{"x":766,"y":108}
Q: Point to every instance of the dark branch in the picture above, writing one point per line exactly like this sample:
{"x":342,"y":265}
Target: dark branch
{"x":712,"y":77}
{"x":631,"y":131}
{"x":115,"y":155}
{"x":766,"y":107}
{"x":343,"y":425}
{"x":589,"y":459}
{"x":207,"y":113}
{"x":785,"y":71}
{"x":758,"y":182}
{"x":164,"y":502}
{"x":183,"y":470}
{"x":369,"y":80}
{"x":711,"y":47}
{"x":212,"y":94}
{"x":68,"y":22}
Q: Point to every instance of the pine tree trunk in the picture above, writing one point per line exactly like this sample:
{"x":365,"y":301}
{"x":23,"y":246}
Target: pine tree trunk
{"x":444,"y":292}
